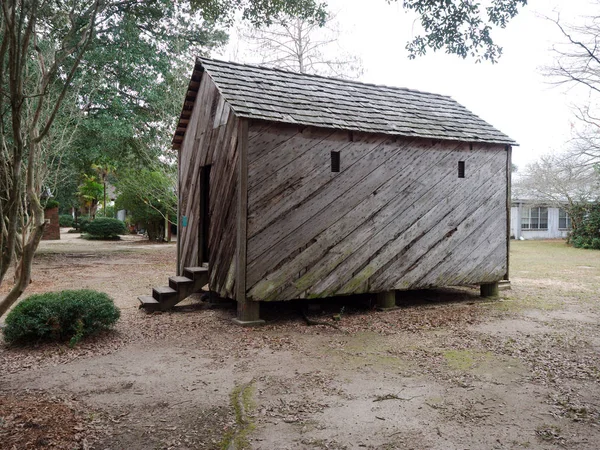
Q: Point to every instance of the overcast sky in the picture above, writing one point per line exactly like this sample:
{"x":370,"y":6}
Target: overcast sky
{"x":513,"y":95}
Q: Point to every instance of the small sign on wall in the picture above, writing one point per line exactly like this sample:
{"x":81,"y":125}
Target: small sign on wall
{"x":184,"y":221}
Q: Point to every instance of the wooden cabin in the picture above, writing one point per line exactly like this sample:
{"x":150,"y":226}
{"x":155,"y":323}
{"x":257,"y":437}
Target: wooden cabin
{"x":299,"y":186}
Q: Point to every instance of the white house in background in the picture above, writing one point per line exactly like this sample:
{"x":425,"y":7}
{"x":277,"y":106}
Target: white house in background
{"x":531,"y":219}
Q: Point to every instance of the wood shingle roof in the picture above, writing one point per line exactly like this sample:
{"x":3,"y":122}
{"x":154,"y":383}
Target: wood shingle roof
{"x":288,"y":97}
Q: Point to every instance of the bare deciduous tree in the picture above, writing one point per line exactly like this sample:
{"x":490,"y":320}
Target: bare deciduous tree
{"x":301,"y":45}
{"x":560,"y":180}
{"x":577,"y":65}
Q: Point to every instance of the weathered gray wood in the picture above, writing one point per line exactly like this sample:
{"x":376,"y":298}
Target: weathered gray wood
{"x":436,"y":252}
{"x":352,"y":245}
{"x":265,"y":138}
{"x":323,"y":208}
{"x":248,"y":312}
{"x":370,"y":203}
{"x":269,"y":164}
{"x":242,"y":217}
{"x":361,"y":223}
{"x":266,"y":207}
{"x":439,"y":209}
{"x":210,"y":139}
{"x":262,"y":93}
{"x":374,"y":215}
{"x":396,"y":216}
{"x":508,"y":208}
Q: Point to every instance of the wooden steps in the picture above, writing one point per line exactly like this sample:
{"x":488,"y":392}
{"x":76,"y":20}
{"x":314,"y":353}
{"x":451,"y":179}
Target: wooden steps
{"x":179,"y":288}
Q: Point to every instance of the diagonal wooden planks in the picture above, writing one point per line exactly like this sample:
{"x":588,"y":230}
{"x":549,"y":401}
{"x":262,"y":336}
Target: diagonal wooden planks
{"x":398,"y":198}
{"x":210,"y":139}
{"x":346,"y":236}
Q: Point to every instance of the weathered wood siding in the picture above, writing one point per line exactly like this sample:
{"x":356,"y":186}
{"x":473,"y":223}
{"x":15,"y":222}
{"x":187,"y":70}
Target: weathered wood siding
{"x":395,"y":217}
{"x":210,"y":139}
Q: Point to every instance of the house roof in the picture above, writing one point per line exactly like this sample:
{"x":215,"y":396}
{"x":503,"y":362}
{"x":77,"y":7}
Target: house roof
{"x":288,"y":97}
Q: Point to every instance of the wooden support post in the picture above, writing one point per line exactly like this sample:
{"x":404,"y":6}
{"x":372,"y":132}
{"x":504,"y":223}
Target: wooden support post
{"x":386,"y":300}
{"x":248,"y":312}
{"x":489,"y":289}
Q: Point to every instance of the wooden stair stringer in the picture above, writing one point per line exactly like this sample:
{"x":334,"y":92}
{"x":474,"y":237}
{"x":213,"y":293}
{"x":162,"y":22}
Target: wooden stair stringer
{"x":180,"y":287}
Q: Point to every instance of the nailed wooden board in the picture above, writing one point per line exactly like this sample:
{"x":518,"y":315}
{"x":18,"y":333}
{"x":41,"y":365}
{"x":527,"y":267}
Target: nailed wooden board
{"x":210,"y":139}
{"x":316,"y":234}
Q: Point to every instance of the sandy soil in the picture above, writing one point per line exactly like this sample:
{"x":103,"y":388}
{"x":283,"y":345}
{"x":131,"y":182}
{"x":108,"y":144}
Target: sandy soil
{"x":447,"y":370}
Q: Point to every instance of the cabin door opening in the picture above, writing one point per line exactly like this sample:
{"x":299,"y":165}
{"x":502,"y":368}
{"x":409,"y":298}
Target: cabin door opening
{"x":204,"y":223}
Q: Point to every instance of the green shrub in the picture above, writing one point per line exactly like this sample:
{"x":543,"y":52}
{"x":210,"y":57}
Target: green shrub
{"x":50,"y":203}
{"x":578,"y":241}
{"x":65,"y":220}
{"x":64,"y":315}
{"x":585,"y":220}
{"x":108,"y":212}
{"x":81,"y":224}
{"x":105,"y":228}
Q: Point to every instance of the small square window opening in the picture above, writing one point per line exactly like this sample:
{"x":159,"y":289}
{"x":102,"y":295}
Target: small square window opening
{"x":335,"y":161}
{"x":461,"y":169}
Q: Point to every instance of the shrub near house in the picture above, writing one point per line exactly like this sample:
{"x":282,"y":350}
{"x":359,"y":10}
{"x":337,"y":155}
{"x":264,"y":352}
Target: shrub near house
{"x":65,"y":220}
{"x":60,"y":316}
{"x":105,"y":228}
{"x":586,"y":227}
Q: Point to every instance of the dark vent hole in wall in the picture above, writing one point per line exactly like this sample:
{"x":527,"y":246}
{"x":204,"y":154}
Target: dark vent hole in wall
{"x":335,"y":161}
{"x":461,"y":169}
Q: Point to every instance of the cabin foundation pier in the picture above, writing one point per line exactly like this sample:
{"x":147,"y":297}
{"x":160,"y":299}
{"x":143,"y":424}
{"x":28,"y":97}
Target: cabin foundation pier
{"x":386,"y":301}
{"x":489,"y":289}
{"x":248,"y":314}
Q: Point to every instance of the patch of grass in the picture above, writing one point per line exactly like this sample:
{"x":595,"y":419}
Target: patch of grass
{"x":521,"y":303}
{"x":552,"y":259}
{"x":464,"y":360}
{"x":242,"y":401}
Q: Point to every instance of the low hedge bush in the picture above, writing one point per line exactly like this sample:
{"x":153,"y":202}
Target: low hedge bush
{"x":586,"y":242}
{"x":65,"y":220}
{"x":81,"y":224}
{"x":105,"y":228}
{"x":60,"y":316}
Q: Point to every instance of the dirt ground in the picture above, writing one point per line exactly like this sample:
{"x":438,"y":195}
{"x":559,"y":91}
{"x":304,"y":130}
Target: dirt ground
{"x":447,"y":370}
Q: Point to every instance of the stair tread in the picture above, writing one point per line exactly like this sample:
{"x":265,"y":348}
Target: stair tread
{"x":180,"y":279}
{"x":147,"y":299}
{"x":196,"y":269}
{"x":164,"y":290}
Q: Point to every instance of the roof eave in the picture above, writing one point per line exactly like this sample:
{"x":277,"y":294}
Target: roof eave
{"x":188,"y":104}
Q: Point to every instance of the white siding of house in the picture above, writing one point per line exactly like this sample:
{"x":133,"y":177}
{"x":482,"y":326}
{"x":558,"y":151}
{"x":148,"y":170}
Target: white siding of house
{"x":553,"y":232}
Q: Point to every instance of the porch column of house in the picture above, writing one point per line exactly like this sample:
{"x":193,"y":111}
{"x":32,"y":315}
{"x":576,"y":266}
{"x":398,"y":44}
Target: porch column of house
{"x":248,"y":311}
{"x":518,"y":224}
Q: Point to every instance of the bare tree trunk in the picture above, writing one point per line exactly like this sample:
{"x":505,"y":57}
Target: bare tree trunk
{"x":31,"y":116}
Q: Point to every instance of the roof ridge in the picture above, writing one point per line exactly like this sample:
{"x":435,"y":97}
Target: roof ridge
{"x":282,"y":96}
{"x":322,"y":77}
